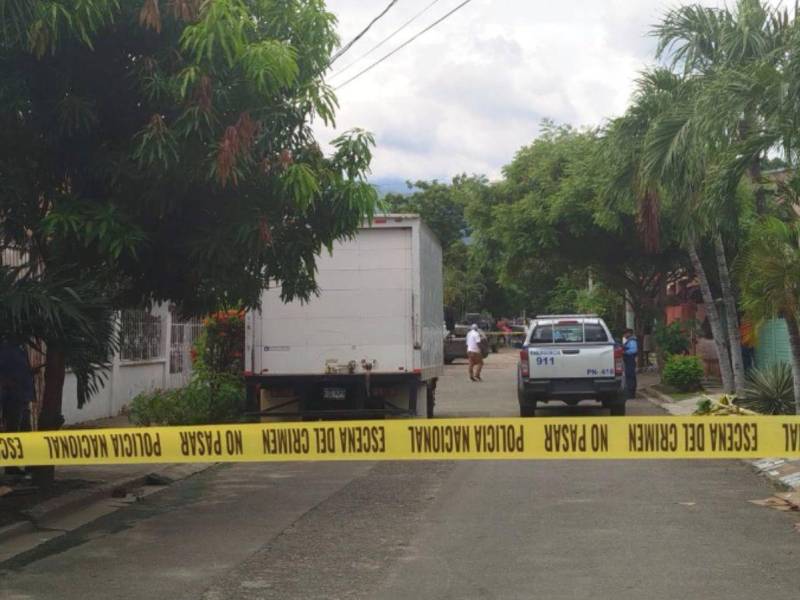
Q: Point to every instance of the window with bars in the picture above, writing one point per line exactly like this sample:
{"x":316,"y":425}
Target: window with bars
{"x":141,"y":336}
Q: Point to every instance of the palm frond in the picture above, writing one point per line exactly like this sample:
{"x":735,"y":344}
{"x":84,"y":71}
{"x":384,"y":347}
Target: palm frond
{"x":73,"y":316}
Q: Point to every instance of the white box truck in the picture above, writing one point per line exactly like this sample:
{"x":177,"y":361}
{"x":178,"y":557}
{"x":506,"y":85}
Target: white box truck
{"x":369,"y":345}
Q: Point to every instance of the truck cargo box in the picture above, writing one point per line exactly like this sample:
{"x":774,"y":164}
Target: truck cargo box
{"x":378,"y":317}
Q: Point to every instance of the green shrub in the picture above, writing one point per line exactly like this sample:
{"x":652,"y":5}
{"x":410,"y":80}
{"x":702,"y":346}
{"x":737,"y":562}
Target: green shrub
{"x":201,"y":402}
{"x":683,"y":372}
{"x":770,"y":391}
{"x":674,"y":338}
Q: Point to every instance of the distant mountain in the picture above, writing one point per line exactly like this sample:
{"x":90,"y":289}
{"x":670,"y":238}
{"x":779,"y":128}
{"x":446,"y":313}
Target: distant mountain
{"x":391,"y":185}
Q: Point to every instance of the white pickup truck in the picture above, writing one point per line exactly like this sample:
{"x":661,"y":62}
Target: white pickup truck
{"x":570,"y":358}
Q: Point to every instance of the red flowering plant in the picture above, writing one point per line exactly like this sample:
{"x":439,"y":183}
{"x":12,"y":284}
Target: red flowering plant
{"x":220,"y":348}
{"x":215,"y":393}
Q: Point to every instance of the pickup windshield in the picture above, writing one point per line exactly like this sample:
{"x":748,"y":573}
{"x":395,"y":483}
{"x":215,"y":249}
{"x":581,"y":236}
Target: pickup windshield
{"x":572,"y":333}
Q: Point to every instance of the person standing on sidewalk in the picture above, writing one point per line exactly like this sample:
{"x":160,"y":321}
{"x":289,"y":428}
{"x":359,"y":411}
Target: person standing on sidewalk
{"x":630,"y":349}
{"x":16,"y":391}
{"x":474,"y":353}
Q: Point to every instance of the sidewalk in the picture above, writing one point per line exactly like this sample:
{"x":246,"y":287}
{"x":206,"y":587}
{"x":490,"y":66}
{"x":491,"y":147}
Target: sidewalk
{"x":25,"y":510}
{"x":781,"y":472}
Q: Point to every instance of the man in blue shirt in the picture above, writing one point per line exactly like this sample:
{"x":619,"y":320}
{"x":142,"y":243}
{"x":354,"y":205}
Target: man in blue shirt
{"x":630,"y":348}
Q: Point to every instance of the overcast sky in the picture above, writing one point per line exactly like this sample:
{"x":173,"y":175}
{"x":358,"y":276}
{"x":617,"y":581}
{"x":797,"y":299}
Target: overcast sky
{"x":468,"y":94}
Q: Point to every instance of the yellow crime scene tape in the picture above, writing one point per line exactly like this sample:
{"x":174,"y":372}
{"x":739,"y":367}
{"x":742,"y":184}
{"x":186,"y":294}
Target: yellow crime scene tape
{"x":415,"y":439}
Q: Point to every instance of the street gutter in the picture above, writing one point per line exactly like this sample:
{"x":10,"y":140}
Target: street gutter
{"x":76,"y":500}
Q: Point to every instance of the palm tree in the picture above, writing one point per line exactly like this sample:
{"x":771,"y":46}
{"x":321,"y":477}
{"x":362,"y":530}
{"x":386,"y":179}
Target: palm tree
{"x":770,"y":281}
{"x":716,"y":47}
{"x":648,"y":178}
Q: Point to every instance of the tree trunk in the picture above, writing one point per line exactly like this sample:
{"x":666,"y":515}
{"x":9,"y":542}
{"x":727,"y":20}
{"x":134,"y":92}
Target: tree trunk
{"x":713,"y":319}
{"x":732,"y":314}
{"x":50,"y":417}
{"x":794,"y":343}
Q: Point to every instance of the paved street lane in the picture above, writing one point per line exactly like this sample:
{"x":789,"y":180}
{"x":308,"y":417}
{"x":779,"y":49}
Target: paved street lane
{"x":656,"y":530}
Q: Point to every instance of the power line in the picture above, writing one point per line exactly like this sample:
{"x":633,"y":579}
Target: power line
{"x":386,"y":39}
{"x":347,"y":46}
{"x":403,"y":45}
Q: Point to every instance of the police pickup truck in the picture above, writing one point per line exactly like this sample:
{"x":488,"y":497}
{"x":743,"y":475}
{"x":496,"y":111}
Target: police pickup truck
{"x":570,"y":358}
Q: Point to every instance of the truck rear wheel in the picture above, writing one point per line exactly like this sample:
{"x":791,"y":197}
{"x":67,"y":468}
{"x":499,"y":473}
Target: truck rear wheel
{"x":527,"y":403}
{"x":615,"y":403}
{"x":617,"y":408}
{"x":430,"y":398}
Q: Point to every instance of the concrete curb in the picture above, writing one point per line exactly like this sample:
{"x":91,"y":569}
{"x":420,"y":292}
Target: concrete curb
{"x":657,"y":397}
{"x":19,"y":528}
{"x":664,"y":401}
{"x":76,"y":499}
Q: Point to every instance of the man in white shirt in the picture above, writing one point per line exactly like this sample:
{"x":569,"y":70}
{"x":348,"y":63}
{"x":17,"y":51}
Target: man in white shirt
{"x":474,"y":353}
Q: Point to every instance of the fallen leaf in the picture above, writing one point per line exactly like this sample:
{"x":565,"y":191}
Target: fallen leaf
{"x":776,"y":502}
{"x":792,"y":498}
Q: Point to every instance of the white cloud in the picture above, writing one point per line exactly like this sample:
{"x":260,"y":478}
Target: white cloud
{"x":467,"y":95}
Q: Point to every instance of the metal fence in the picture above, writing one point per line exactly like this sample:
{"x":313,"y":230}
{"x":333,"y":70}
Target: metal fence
{"x":183,"y":335}
{"x":141,"y":336}
{"x":11,"y":257}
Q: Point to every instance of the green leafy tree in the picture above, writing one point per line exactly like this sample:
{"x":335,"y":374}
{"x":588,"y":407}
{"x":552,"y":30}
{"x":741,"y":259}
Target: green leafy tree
{"x":558,"y":220}
{"x":163,"y":150}
{"x":438,"y":206}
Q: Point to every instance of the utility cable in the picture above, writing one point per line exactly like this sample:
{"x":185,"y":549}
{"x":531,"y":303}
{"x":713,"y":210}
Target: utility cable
{"x":403,"y":45}
{"x":349,"y":45}
{"x":386,"y":39}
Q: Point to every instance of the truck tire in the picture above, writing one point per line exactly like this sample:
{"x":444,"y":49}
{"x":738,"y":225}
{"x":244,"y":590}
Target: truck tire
{"x":430,"y":398}
{"x":527,"y":403}
{"x":616,"y":405}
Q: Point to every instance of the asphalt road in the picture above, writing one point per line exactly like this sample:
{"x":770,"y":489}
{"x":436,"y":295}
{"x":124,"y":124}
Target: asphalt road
{"x":656,"y":530}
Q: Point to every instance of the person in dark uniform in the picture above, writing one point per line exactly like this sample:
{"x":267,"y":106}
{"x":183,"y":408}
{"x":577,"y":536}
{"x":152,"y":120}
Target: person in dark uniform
{"x":630,"y":348}
{"x":16,"y":391}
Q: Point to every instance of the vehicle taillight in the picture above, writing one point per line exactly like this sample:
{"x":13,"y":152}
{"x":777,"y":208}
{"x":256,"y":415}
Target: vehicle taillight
{"x":618,"y":361}
{"x":524,"y":368}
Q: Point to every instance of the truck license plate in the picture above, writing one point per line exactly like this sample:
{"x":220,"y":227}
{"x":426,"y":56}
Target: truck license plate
{"x":334,"y":393}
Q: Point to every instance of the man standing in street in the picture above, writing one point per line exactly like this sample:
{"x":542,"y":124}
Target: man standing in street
{"x":630,"y":348}
{"x":474,"y":353}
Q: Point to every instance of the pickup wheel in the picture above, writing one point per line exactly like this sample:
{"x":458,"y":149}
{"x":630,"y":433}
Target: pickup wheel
{"x":527,"y":403}
{"x":617,"y":407}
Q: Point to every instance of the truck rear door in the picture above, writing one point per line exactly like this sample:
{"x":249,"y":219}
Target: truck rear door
{"x":570,"y":350}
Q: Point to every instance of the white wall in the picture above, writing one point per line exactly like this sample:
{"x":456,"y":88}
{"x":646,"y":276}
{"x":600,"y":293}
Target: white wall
{"x":125,"y":380}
